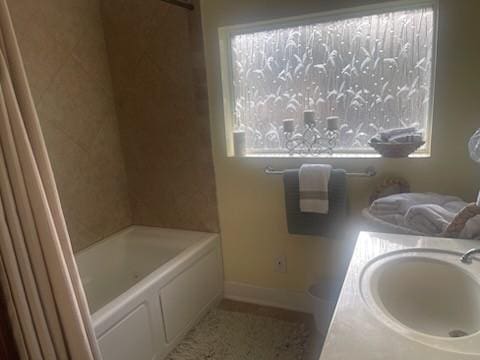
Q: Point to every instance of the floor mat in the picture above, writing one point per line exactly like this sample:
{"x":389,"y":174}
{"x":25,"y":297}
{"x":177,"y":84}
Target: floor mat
{"x":228,"y":335}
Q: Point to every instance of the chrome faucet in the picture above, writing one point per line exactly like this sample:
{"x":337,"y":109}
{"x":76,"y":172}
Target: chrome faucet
{"x":467,"y":257}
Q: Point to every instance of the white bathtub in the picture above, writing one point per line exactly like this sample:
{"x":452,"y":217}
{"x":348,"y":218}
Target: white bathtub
{"x":147,"y":287}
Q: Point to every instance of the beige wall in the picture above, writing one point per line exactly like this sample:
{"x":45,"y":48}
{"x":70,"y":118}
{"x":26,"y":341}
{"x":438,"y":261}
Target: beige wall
{"x":251,"y":204}
{"x":156,"y":57}
{"x":63,"y":46}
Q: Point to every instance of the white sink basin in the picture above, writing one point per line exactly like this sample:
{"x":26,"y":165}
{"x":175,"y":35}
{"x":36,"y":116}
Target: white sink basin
{"x":427,"y":295}
{"x":430,"y":296}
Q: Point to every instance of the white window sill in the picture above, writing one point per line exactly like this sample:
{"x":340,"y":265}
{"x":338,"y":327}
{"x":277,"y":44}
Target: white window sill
{"x":326,"y":156}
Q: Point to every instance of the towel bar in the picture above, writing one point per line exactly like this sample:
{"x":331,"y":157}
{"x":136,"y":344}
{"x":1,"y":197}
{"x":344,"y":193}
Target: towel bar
{"x":369,"y":172}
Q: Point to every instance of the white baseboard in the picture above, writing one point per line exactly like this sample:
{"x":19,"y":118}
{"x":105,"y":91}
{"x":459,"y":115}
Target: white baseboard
{"x":280,"y":298}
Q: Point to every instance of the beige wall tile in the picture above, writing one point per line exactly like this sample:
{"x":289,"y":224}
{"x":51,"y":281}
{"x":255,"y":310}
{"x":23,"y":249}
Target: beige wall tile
{"x":160,"y":85}
{"x":159,"y":79}
{"x":63,"y":46}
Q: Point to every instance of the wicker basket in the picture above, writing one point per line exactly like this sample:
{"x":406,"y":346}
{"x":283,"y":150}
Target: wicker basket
{"x":393,"y":150}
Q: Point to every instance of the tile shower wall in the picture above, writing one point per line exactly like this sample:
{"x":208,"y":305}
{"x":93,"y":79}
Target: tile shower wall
{"x":62,"y":42}
{"x":156,"y":56}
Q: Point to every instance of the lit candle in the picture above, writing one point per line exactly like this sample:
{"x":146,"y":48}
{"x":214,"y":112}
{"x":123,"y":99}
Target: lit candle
{"x":239,"y":144}
{"x":332,"y":123}
{"x":288,"y":125}
{"x":309,"y":118}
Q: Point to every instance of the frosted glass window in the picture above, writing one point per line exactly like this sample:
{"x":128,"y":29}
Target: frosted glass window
{"x":374,"y":72}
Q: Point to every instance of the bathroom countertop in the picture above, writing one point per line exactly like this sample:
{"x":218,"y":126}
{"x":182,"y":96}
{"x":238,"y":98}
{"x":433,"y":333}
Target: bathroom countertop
{"x":356,"y":332}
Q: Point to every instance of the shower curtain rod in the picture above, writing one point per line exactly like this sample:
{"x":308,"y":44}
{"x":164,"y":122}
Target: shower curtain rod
{"x":180,"y":3}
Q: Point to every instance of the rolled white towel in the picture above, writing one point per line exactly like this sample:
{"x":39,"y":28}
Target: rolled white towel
{"x":395,"y":219}
{"x":455,"y":206}
{"x":387,"y":135}
{"x":400,"y":203}
{"x":429,"y":219}
{"x":407,"y":138}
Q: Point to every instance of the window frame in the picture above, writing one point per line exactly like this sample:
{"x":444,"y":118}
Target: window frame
{"x":227,"y":32}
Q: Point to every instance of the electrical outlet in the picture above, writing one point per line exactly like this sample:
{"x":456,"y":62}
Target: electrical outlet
{"x":280,"y":264}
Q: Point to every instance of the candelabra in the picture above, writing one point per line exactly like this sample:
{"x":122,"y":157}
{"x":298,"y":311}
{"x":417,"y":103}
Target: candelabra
{"x":311,"y":141}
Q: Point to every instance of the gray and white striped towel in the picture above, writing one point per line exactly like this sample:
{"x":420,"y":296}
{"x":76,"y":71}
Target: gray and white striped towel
{"x":313,"y":180}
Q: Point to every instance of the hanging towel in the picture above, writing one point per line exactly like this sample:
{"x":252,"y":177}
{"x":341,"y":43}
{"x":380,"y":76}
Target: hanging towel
{"x":313,"y":180}
{"x":331,"y":224}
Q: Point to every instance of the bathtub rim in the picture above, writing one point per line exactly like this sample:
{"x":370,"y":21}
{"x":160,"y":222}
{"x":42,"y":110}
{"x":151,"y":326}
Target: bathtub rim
{"x":107,"y":314}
